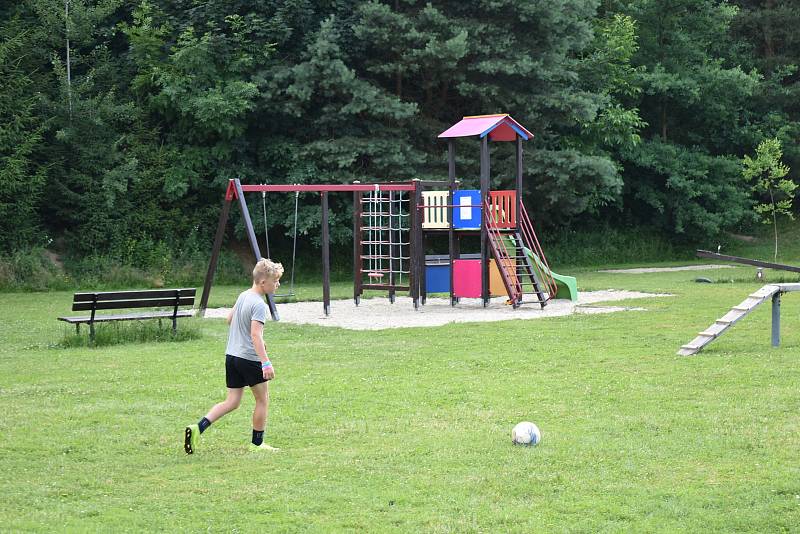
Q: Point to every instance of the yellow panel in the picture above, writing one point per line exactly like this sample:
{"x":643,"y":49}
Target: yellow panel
{"x":435,"y":212}
{"x":496,"y":287}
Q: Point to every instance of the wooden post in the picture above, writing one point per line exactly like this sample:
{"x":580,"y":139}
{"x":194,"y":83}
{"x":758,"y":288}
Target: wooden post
{"x":485,"y":170}
{"x":393,"y":239}
{"x":326,"y":259}
{"x":451,"y":234}
{"x":776,"y":319}
{"x":414,"y":217}
{"x":358,"y":266}
{"x":212,"y":265}
{"x":519,"y":182}
{"x":251,"y":236}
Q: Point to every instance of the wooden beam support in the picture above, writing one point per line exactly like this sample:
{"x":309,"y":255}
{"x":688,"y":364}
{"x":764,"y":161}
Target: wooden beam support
{"x":747,"y":261}
{"x":212,"y":265}
{"x":326,"y":257}
{"x":251,"y":236}
{"x":485,"y":181}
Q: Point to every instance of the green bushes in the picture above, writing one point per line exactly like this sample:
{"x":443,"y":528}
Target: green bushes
{"x":32,"y":270}
{"x":145,"y":264}
{"x":609,"y":245}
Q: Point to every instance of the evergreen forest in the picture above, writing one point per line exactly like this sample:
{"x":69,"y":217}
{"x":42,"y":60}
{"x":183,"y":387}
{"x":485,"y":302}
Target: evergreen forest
{"x":122,"y":121}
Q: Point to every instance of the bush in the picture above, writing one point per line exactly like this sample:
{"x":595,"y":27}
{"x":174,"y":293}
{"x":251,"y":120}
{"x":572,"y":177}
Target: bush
{"x":610,"y":245}
{"x":31,"y":270}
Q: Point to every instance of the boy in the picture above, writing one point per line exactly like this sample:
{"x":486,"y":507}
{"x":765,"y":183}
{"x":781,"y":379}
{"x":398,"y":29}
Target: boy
{"x":246,"y":360}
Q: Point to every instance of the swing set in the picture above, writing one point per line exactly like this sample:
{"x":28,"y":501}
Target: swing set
{"x":387,"y":264}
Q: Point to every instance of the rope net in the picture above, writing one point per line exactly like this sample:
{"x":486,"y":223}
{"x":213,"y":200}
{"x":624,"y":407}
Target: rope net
{"x":385,"y":238}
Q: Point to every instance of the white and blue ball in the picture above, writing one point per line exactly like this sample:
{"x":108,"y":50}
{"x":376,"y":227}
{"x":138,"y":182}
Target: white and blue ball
{"x":526,"y":433}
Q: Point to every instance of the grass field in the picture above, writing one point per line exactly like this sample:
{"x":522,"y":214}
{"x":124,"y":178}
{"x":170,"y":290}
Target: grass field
{"x":408,"y":430}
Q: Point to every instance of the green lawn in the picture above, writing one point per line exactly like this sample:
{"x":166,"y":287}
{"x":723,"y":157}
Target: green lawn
{"x":408,"y":430}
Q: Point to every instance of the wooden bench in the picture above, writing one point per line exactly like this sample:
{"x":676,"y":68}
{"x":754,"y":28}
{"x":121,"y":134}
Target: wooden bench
{"x":120,"y":300}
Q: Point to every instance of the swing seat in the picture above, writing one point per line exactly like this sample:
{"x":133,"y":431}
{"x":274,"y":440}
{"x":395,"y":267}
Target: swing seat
{"x":375,"y":275}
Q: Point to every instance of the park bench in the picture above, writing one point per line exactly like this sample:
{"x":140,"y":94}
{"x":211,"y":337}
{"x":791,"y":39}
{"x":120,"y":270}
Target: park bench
{"x":121,"y":300}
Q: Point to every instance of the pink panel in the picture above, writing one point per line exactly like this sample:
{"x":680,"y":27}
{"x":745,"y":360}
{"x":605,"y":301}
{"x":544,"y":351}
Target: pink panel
{"x":468,"y":127}
{"x":467,"y":278}
{"x":500,"y":127}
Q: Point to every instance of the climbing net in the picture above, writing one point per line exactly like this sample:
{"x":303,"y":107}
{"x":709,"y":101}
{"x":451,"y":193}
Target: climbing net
{"x":385,"y":242}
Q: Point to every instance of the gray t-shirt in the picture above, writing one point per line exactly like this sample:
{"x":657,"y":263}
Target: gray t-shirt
{"x":250,"y":306}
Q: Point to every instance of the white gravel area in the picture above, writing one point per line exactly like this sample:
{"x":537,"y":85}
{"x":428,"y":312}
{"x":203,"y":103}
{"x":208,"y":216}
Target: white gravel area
{"x":379,"y":314}
{"x":667,"y":269}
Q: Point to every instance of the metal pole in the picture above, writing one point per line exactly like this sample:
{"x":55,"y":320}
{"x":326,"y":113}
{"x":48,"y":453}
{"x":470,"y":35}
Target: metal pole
{"x":776,"y":319}
{"x":251,"y":236}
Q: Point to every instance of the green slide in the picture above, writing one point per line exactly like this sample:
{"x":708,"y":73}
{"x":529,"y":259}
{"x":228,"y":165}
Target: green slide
{"x":567,"y":285}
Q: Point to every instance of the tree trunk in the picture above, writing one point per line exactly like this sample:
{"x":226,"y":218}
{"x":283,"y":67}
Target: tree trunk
{"x":774,"y":224}
{"x":766,"y":27}
{"x":69,"y":68}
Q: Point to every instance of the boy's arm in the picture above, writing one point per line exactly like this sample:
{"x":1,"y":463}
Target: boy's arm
{"x":257,"y":336}
{"x":230,"y":315}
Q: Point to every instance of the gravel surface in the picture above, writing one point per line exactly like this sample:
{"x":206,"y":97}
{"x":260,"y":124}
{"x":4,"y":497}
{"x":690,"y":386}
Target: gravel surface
{"x":379,"y":314}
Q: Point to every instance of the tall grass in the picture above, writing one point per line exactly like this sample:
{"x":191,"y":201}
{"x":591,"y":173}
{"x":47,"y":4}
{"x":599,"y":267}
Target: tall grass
{"x":610,"y":245}
{"x":116,"y":332}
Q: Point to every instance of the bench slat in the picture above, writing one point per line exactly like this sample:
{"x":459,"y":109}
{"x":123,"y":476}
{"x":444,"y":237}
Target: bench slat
{"x":138,"y":294}
{"x":126,"y":317}
{"x":122,"y":304}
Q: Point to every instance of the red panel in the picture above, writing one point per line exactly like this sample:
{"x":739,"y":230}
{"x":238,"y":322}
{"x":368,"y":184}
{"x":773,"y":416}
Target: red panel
{"x":504,"y":208}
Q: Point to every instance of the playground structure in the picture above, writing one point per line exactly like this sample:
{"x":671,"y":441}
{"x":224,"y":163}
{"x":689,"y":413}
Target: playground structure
{"x":391,"y":221}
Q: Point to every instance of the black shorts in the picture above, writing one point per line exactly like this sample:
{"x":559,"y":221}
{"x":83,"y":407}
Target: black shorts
{"x":240,"y":372}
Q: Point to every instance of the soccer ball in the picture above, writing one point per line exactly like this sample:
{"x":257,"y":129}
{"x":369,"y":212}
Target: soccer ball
{"x":526,"y":433}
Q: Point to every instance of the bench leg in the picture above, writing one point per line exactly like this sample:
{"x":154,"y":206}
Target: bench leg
{"x":77,"y":328}
{"x":91,"y":332}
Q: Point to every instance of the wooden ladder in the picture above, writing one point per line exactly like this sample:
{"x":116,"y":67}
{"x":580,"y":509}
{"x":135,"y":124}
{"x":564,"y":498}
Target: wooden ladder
{"x":736,"y":313}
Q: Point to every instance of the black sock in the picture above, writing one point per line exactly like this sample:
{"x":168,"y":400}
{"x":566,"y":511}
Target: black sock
{"x":258,"y":437}
{"x":203,"y":424}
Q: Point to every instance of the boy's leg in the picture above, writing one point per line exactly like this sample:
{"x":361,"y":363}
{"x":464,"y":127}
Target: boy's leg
{"x":261,"y":410}
{"x":260,"y":413}
{"x":192,"y":432}
{"x":231,"y":402}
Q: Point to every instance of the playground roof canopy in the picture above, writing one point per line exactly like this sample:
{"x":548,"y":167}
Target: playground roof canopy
{"x":499,"y":127}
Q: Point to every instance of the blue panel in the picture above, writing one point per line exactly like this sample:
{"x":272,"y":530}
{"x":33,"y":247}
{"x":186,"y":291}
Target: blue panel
{"x":467,"y":217}
{"x":437,"y":278}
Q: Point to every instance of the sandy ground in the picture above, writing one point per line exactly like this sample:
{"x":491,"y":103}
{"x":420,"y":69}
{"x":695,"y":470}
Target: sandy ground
{"x":379,"y":314}
{"x":667,"y":269}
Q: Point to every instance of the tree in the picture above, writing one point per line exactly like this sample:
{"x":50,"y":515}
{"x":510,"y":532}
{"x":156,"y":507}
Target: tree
{"x":22,"y":178}
{"x":684,"y":177}
{"x":769,"y":175}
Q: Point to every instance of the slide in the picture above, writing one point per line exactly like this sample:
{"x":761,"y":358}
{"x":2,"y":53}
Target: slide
{"x":567,"y":285}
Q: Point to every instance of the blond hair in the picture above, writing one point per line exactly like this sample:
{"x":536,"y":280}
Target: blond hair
{"x":267,"y":269}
